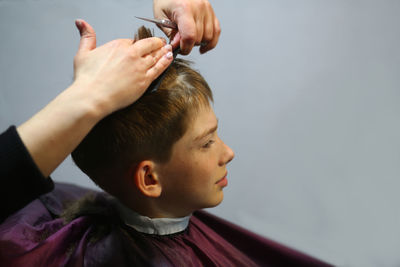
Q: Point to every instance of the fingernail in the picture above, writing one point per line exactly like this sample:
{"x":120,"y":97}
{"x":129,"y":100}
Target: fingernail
{"x":168,"y":47}
{"x":169,"y":55}
{"x":163,"y":39}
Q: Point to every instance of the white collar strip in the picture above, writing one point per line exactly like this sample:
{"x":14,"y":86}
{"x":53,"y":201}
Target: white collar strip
{"x":156,"y":226}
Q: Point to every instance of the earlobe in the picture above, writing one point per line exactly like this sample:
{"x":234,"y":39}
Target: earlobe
{"x":146,"y":179}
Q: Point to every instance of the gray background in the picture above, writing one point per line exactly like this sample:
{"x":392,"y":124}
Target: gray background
{"x":307,"y":93}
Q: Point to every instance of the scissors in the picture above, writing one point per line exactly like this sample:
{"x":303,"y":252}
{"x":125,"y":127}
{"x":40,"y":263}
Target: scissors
{"x":167,"y":24}
{"x":161,"y":22}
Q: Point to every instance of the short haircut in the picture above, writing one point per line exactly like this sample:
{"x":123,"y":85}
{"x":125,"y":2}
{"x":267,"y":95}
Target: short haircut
{"x":145,"y":130}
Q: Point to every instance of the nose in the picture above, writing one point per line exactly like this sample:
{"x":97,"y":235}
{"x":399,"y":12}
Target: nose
{"x":228,"y":155}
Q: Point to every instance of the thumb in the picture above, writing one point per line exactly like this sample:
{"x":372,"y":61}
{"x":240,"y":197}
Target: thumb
{"x":174,"y":40}
{"x":88,"y":36}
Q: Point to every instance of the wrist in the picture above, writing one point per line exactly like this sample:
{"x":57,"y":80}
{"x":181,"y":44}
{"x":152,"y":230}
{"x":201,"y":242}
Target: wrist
{"x":87,"y":103}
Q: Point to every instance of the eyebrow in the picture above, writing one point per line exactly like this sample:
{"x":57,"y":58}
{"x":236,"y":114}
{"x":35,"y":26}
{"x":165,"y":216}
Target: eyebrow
{"x":207,"y":132}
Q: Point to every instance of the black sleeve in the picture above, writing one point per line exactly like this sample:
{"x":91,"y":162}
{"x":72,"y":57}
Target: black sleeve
{"x":20,"y":179}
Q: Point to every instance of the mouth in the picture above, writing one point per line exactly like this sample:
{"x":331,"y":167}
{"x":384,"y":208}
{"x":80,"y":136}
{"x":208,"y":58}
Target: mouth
{"x":223,"y":181}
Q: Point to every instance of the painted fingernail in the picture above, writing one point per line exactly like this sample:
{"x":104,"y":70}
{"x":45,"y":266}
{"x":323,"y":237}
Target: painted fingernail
{"x":169,"y":55}
{"x":168,"y":47}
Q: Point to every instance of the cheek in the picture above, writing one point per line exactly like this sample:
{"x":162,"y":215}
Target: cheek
{"x":194,"y":172}
{"x":205,"y":169}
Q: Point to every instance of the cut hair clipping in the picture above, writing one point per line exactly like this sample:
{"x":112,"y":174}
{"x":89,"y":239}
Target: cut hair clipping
{"x":157,"y":82}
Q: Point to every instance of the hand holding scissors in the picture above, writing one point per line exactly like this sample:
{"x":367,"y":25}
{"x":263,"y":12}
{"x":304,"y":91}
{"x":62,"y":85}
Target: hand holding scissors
{"x":196,"y":23}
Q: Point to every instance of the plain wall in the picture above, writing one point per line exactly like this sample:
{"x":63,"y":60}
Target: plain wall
{"x":307,"y":94}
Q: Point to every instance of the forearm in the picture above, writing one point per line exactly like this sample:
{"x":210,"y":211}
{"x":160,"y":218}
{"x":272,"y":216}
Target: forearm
{"x":54,"y":132}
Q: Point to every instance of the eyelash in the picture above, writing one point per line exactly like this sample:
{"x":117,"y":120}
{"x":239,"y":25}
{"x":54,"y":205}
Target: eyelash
{"x":208,"y":144}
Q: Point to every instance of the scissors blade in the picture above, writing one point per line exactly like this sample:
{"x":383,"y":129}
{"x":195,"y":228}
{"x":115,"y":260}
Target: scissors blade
{"x":161,"y":22}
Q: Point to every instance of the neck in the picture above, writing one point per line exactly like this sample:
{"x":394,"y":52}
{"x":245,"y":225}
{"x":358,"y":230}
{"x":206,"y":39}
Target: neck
{"x":151,"y":225}
{"x":153,"y":208}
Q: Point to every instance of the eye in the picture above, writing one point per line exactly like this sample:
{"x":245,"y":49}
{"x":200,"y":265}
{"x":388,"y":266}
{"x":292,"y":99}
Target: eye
{"x":208,"y":144}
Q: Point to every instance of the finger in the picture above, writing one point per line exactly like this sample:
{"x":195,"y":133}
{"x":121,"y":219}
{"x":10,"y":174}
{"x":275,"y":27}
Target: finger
{"x":88,"y":36}
{"x":187,"y":31}
{"x":199,"y":30}
{"x":208,"y":31}
{"x":152,"y":58}
{"x":176,"y":40}
{"x":160,"y":66}
{"x":213,"y":43}
{"x":148,"y":45}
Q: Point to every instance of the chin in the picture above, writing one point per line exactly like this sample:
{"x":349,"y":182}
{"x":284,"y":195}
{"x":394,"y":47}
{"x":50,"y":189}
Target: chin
{"x":218,"y":199}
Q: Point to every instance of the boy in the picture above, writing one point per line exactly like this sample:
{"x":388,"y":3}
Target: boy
{"x":162,"y":160}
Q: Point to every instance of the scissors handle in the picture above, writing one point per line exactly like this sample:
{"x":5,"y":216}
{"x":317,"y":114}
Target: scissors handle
{"x":169,"y":24}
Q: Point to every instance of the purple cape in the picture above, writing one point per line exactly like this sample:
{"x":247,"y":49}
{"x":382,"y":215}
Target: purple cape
{"x":44,"y":234}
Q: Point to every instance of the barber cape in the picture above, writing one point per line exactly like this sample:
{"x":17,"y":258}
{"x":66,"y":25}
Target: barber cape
{"x":74,"y":226}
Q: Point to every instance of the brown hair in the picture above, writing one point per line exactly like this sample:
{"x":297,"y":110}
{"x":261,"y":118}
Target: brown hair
{"x":147,"y":129}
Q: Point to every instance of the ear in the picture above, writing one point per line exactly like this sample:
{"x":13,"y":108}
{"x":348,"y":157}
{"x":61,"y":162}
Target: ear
{"x":146,"y":179}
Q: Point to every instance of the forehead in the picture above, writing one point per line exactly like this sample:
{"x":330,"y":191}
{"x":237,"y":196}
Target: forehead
{"x":203,"y":120}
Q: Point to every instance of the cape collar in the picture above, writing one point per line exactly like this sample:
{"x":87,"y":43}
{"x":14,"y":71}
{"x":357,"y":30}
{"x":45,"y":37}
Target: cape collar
{"x":156,"y":226}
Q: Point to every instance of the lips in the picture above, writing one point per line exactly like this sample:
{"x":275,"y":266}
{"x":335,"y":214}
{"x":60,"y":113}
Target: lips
{"x":223,"y":181}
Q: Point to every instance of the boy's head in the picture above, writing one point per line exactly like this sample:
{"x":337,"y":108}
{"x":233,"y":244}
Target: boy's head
{"x":162,"y":149}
